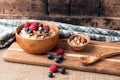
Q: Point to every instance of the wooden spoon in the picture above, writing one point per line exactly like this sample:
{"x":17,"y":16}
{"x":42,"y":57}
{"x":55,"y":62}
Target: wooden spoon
{"x":93,"y":59}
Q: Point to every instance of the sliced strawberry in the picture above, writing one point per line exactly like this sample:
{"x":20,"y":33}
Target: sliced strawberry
{"x":27,"y":24}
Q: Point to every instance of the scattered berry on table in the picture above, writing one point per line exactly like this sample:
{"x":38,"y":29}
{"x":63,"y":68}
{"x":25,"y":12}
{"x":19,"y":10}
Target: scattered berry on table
{"x":50,"y":74}
{"x":60,"y":52}
{"x":62,"y":70}
{"x":27,"y":24}
{"x":50,"y":56}
{"x":53,"y":68}
{"x":26,"y":29}
{"x":57,"y":60}
{"x":60,"y":57}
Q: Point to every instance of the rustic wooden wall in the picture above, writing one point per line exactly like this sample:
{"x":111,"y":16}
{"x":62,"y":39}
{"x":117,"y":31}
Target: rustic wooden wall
{"x":95,"y":13}
{"x":23,"y":7}
{"x":59,"y":7}
{"x":85,"y":7}
{"x":110,"y":8}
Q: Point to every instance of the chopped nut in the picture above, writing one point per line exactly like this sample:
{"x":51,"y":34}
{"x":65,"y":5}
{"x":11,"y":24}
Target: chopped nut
{"x":42,"y":37}
{"x":78,"y":40}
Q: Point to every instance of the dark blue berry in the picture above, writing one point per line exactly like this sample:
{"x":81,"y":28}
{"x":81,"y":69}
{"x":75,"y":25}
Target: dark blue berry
{"x":40,"y":25}
{"x":61,"y":57}
{"x":50,"y":74}
{"x":26,"y":29}
{"x":62,"y":70}
{"x":50,"y":56}
{"x":46,"y":31}
{"x":30,"y":31}
{"x":57,"y":60}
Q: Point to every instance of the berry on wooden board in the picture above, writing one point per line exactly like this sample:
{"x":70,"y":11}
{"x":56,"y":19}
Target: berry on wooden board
{"x":62,"y":70}
{"x":53,"y":68}
{"x":50,"y":56}
{"x":50,"y":74}
{"x":60,"y":52}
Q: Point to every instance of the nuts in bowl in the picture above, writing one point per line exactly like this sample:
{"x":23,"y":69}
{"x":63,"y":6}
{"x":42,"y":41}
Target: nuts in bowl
{"x":78,"y":42}
{"x":37,"y":37}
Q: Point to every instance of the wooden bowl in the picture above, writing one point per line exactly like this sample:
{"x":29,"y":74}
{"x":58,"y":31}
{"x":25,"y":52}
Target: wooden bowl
{"x":78,"y":47}
{"x":38,"y":46}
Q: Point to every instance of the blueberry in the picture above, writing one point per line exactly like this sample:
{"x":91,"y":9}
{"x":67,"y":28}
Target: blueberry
{"x":50,"y":74}
{"x":26,"y":29}
{"x":30,"y":31}
{"x":40,"y":25}
{"x":62,"y":70}
{"x":46,"y":31}
{"x":50,"y":56}
{"x":57,"y":60}
{"x":61,"y":57}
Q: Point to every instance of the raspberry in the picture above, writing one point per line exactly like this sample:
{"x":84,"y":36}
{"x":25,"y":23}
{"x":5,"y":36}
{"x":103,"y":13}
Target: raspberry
{"x":27,"y":24}
{"x":60,"y":52}
{"x":34,"y":26}
{"x":46,"y":28}
{"x":53,"y":68}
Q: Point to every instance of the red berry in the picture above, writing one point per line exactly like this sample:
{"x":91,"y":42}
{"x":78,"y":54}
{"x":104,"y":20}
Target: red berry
{"x":27,"y":24}
{"x":46,"y":28}
{"x":60,"y":52}
{"x":53,"y":68}
{"x":34,"y":26}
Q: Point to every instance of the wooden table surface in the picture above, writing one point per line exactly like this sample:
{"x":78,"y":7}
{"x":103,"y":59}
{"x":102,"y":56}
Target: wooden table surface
{"x":15,"y":71}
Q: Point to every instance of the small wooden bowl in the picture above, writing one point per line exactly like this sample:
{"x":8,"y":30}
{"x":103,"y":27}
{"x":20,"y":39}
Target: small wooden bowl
{"x":38,"y":46}
{"x":78,"y":47}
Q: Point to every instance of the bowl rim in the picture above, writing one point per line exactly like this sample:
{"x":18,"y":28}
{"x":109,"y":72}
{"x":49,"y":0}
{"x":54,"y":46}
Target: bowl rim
{"x":85,"y":36}
{"x":21,"y":26}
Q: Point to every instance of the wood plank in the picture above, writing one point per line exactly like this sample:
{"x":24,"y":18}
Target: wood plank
{"x":111,"y":8}
{"x":59,"y":7}
{"x":99,"y":22}
{"x":24,"y":7}
{"x":71,"y":61}
{"x":84,"y":7}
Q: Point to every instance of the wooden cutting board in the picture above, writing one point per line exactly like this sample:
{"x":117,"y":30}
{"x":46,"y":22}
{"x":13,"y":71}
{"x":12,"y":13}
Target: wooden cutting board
{"x":109,"y":65}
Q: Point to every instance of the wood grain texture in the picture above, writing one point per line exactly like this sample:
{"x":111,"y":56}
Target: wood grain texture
{"x":85,"y":7}
{"x":59,"y":7}
{"x":15,"y":71}
{"x":98,"y":22}
{"x":23,"y":7}
{"x":110,"y":8}
{"x":109,"y":66}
